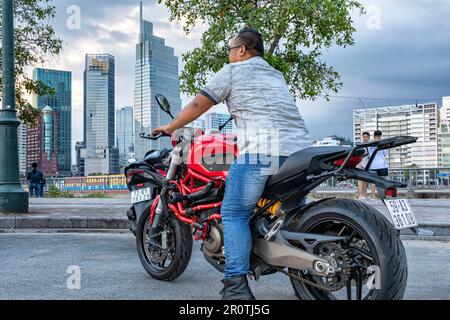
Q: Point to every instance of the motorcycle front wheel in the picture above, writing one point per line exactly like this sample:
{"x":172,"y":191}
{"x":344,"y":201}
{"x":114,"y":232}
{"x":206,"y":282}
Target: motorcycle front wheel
{"x":373,"y":260}
{"x":165,"y":251}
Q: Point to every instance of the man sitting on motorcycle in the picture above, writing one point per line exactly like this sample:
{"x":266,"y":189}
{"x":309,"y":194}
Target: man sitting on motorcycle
{"x":269,"y":128}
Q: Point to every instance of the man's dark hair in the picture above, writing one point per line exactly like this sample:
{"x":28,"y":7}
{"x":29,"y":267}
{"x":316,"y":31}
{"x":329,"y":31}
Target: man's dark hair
{"x":34,"y":165}
{"x":377,"y":133}
{"x":365,"y":133}
{"x":252,"y":40}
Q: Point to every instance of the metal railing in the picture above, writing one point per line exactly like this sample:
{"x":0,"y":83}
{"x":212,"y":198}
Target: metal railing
{"x":415,"y":178}
{"x":85,"y":184}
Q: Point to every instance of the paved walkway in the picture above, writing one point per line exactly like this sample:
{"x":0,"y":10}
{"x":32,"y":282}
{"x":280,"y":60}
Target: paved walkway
{"x":110,"y":213}
{"x":35,"y":266}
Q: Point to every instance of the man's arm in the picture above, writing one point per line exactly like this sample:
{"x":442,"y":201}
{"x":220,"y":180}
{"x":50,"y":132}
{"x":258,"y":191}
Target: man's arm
{"x":194,"y":109}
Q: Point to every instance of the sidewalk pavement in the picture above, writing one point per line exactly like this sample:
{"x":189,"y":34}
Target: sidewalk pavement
{"x":110,"y":213}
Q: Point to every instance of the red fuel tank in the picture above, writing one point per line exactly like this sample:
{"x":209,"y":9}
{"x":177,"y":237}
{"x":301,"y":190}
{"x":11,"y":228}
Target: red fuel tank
{"x":212,"y":155}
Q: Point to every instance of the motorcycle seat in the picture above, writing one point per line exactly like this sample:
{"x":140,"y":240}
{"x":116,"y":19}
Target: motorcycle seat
{"x":300,"y":161}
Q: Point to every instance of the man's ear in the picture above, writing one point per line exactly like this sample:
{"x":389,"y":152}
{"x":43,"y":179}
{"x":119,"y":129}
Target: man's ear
{"x":242,"y":51}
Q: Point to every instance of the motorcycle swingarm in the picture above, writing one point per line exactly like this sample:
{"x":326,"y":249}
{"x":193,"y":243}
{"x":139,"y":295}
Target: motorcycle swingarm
{"x":278,"y":252}
{"x":310,"y":240}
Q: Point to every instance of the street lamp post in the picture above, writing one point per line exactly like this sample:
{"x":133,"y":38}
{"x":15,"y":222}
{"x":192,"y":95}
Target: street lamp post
{"x":12,"y":197}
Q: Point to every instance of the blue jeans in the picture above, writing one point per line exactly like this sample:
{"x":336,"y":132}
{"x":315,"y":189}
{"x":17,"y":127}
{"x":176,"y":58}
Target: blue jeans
{"x":245,"y":184}
{"x":35,"y":188}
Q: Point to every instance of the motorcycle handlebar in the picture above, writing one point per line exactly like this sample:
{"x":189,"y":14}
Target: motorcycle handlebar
{"x":153,"y":137}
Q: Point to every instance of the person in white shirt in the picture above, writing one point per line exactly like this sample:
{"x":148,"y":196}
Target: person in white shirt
{"x":379,"y":164}
{"x":362,"y":185}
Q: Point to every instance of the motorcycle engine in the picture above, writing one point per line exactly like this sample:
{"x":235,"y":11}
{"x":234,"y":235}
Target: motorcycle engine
{"x":213,"y":244}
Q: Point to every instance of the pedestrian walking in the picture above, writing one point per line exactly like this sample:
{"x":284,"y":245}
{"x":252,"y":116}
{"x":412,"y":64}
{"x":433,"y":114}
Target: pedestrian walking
{"x":35,"y":179}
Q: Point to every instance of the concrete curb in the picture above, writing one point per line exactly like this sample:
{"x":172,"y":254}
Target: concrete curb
{"x":80,"y":223}
{"x":18,"y":222}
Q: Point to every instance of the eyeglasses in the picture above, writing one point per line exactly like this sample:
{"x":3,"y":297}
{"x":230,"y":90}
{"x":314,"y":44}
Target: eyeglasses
{"x":231,"y":48}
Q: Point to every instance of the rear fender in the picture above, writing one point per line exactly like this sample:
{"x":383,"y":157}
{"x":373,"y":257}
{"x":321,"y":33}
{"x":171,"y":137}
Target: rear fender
{"x":292,"y":210}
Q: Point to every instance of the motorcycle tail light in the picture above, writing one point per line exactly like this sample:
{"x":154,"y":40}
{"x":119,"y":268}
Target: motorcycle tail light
{"x":391,"y":192}
{"x":134,"y":172}
{"x":352,"y":162}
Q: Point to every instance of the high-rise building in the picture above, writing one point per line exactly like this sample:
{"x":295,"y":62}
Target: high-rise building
{"x":42,"y":142}
{"x":419,"y":121}
{"x":80,"y":152}
{"x":22,"y":143}
{"x":124,"y":134}
{"x":61,"y":103}
{"x":214,"y":120}
{"x":445,"y":110}
{"x":444,"y":133}
{"x":156,"y":71}
{"x":101,"y":156}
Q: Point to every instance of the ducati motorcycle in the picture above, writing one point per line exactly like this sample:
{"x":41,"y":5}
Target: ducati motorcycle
{"x":330,"y":249}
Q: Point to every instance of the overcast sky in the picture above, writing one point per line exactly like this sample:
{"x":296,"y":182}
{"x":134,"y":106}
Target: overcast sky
{"x":402,"y":53}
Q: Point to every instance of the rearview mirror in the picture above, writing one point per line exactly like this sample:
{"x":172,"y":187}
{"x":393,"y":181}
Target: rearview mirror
{"x":163,"y":104}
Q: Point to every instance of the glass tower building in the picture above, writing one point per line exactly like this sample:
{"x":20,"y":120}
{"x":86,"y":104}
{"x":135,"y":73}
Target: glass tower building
{"x":156,"y":71}
{"x":124,"y":134}
{"x":61,"y":103}
{"x":42,"y":142}
{"x":101,"y":157}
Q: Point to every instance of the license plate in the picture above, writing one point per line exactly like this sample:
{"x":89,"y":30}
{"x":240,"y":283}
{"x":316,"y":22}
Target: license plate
{"x":141,"y":195}
{"x":401,"y":213}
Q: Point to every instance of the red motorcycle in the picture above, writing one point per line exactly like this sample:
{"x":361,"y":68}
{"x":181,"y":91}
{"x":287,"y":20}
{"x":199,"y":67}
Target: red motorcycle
{"x":330,"y":249}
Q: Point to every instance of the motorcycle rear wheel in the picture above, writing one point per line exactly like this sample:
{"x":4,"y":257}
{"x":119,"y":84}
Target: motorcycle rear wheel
{"x":376,"y":237}
{"x":165,"y":264}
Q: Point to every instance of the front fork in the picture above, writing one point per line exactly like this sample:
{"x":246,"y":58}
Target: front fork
{"x":175,"y":161}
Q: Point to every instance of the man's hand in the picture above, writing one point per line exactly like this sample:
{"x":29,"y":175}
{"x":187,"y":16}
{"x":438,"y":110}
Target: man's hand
{"x":167,"y":130}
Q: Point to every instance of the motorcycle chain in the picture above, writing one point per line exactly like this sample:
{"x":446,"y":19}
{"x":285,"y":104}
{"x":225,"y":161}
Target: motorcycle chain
{"x":312,"y":283}
{"x":300,"y":278}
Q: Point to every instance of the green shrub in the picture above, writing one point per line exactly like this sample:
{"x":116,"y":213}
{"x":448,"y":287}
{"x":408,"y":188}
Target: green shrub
{"x":54,"y":192}
{"x":97,"y":194}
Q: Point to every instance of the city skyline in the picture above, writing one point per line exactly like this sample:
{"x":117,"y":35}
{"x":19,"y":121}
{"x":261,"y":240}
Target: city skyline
{"x":382,"y":64}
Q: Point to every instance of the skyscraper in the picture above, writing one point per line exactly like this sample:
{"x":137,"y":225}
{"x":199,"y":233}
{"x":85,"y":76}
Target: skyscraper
{"x":214,"y":120}
{"x":101,"y":155}
{"x":22,"y":143}
{"x":124,"y":133}
{"x":156,"y":71}
{"x":42,"y":142}
{"x":80,"y":154}
{"x":61,"y":103}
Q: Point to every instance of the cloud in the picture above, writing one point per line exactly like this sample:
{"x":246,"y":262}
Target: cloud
{"x":407,"y":58}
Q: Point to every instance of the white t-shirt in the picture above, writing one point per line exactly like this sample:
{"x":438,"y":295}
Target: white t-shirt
{"x":364,"y":161}
{"x":380,"y":161}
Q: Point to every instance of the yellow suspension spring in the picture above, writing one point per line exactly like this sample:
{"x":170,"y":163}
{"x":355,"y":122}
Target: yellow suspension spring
{"x":273,"y":208}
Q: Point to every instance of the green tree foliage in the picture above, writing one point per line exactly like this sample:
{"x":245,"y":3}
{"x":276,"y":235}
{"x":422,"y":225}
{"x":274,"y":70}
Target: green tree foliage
{"x":35,"y":42}
{"x":295,"y":33}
